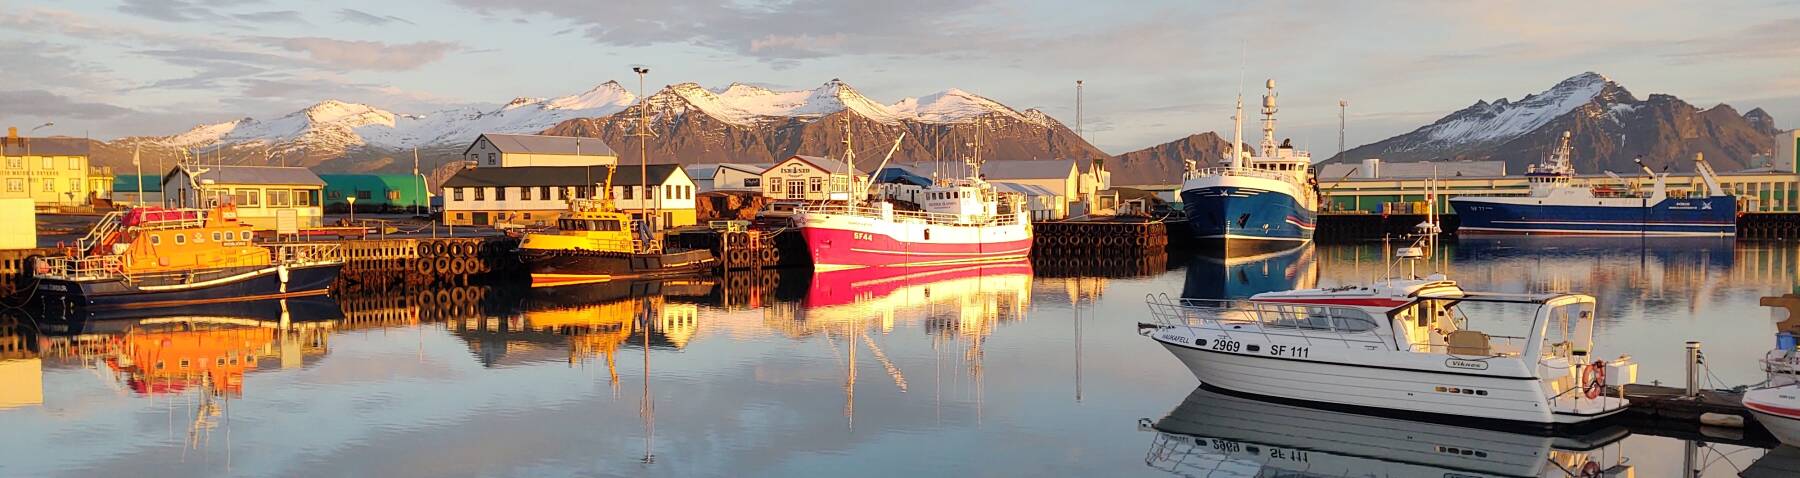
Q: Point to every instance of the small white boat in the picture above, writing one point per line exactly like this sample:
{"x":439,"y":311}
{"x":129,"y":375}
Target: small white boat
{"x":1402,"y":347}
{"x":1776,"y":404}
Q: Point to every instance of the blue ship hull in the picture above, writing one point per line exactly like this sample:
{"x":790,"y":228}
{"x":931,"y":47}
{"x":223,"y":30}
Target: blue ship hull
{"x":1713,"y":216}
{"x":1245,"y":219}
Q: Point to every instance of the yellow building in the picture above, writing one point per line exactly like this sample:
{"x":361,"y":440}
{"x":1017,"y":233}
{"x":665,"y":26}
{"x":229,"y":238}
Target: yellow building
{"x":537,"y":195}
{"x":50,"y":171}
{"x":515,"y":150}
{"x":263,"y":194}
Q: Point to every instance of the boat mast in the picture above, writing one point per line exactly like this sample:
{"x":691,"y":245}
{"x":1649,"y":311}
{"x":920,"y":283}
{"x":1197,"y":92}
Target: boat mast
{"x":849,"y":163}
{"x":1237,"y":134}
{"x":1268,"y":112}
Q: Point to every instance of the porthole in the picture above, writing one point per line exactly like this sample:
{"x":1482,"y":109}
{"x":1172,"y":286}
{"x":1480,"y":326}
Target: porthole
{"x":1200,"y":342}
{"x":215,"y":236}
{"x":180,"y":239}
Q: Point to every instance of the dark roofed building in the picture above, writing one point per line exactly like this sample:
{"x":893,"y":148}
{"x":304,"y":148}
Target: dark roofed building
{"x":530,"y":195}
{"x":520,"y":150}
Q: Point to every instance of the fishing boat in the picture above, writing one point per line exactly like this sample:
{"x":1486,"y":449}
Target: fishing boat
{"x":1776,"y":403}
{"x":959,"y":221}
{"x":1214,"y":434}
{"x":596,"y":242}
{"x":1254,"y":203}
{"x":1560,"y":204}
{"x":1402,"y":346}
{"x":160,"y":257}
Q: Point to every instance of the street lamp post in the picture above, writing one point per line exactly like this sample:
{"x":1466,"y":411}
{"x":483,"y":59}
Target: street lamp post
{"x":644,"y":147}
{"x":352,"y":199}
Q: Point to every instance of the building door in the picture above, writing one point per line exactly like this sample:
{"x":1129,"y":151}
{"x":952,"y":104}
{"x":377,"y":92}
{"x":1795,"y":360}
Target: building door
{"x":796,"y":189}
{"x":481,"y":219}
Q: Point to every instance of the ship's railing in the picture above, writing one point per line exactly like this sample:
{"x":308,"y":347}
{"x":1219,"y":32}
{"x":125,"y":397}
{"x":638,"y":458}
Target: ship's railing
{"x":306,"y":253}
{"x":183,"y":218}
{"x":1308,"y":322}
{"x":108,"y":224}
{"x":927,"y":217}
{"x":1244,"y":172}
{"x":81,"y":268}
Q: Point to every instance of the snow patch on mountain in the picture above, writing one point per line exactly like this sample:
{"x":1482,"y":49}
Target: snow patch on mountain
{"x":1501,"y":120}
{"x":955,"y":106}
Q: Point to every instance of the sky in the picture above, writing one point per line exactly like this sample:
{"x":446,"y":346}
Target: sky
{"x":1154,"y":71}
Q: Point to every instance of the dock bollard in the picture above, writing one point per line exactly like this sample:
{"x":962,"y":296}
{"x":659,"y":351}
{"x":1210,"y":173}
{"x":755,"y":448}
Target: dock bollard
{"x":1693,"y":368}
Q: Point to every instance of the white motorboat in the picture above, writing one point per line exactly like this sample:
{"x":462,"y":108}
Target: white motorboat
{"x":1406,"y":347}
{"x":1213,"y":434}
{"x":1776,"y":403}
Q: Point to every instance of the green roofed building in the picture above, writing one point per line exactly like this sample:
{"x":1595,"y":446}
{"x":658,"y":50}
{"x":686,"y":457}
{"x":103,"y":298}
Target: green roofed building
{"x":374,"y":192}
{"x":125,"y":189}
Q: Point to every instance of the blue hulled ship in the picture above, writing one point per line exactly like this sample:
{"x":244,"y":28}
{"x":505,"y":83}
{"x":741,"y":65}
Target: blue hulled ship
{"x":1558,"y":205}
{"x":1261,"y":202}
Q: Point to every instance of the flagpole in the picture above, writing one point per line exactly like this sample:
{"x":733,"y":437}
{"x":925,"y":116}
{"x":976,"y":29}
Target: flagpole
{"x":137,"y":162}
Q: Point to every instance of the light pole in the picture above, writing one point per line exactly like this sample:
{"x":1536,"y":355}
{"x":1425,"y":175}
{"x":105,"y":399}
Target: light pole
{"x":644,"y":145}
{"x":352,"y":199}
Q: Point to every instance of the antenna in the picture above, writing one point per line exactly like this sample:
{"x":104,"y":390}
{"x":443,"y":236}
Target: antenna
{"x":1078,"y":131}
{"x":1268,"y":112}
{"x":1343,"y":118}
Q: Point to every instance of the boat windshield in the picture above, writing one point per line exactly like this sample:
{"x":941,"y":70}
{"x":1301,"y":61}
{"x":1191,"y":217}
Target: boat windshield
{"x":588,"y":225}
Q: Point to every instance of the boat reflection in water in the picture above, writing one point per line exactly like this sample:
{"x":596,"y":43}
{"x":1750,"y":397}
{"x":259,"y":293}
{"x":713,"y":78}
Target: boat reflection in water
{"x":577,"y":322}
{"x":207,"y":348}
{"x":964,"y":300}
{"x":1212,"y":434}
{"x":1215,"y":277}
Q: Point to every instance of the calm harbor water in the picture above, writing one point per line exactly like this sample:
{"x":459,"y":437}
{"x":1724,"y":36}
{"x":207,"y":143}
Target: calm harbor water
{"x":980,"y":371}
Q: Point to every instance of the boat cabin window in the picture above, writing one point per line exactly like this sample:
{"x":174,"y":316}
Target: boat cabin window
{"x":1338,"y":319}
{"x":156,"y":239}
{"x":244,"y":235}
{"x":588,"y":225}
{"x":181,"y":238}
{"x":215,"y":236}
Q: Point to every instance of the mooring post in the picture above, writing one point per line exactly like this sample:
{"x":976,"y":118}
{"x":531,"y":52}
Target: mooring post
{"x":1693,"y":368}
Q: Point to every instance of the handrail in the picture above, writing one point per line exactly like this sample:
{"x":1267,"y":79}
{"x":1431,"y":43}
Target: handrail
{"x":1245,"y":171}
{"x":1276,"y":318}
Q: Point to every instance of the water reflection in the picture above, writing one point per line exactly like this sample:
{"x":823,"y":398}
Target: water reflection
{"x":575,"y":323}
{"x":1238,"y":277}
{"x":1212,"y":434}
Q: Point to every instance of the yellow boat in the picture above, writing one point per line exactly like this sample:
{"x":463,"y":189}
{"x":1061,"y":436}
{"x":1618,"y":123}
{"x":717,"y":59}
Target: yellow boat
{"x":595,"y":242}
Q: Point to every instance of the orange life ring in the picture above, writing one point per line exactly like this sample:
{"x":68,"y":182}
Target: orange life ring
{"x":1593,"y":380}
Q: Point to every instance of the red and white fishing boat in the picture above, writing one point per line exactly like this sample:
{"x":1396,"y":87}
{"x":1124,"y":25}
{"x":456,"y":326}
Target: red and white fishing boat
{"x":959,"y":221}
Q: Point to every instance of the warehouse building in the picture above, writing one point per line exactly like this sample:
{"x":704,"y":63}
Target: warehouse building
{"x":263,"y":194}
{"x":520,"y":150}
{"x":537,"y":195}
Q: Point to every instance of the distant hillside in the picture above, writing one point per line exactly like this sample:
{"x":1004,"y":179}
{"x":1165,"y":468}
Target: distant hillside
{"x":1610,"y":127}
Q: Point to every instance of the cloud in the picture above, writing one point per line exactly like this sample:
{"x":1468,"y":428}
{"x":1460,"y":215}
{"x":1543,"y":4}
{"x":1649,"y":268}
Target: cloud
{"x":1774,"y":39}
{"x":279,"y":16}
{"x":365,"y":55}
{"x":366,"y":18}
{"x":44,"y":104}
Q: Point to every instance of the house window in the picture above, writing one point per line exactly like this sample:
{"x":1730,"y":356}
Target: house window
{"x":544,"y":193}
{"x":459,"y":216}
{"x":393,"y":195}
{"x":528,"y":216}
{"x":302,"y":198}
{"x":15,"y":185}
{"x":500,"y":193}
{"x":280,"y":198}
{"x":480,"y":194}
{"x":628,"y":191}
{"x":775,"y":186}
{"x":49,"y":185}
{"x":491,"y":159}
{"x":49,"y":162}
{"x":74,"y":185}
{"x":815,"y":185}
{"x":334,"y":194}
{"x":457,"y":194}
{"x":75,"y":163}
{"x":364,"y":195}
{"x":753,"y":182}
{"x":669,"y":192}
{"x":246,"y":197}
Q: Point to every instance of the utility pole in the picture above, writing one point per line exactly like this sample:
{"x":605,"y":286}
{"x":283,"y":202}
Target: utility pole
{"x":643,"y":135}
{"x":1078,"y":131}
{"x":1343,"y":115}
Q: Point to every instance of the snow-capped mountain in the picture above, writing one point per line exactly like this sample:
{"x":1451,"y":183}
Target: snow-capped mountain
{"x":340,"y":135}
{"x":1610,"y":128}
{"x":746,"y":123}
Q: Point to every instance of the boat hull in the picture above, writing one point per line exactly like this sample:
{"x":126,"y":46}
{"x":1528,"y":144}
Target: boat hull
{"x":1506,"y":400}
{"x":1713,"y":216}
{"x":1242,"y":219}
{"x":237,"y":284}
{"x":555,"y":268}
{"x":1778,"y":410}
{"x":841,"y":241}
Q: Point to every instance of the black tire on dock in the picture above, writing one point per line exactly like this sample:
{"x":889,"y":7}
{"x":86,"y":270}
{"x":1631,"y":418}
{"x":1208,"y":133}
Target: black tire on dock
{"x":441,"y":265}
{"x":458,"y":267}
{"x":424,"y":249}
{"x":422,"y":265}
